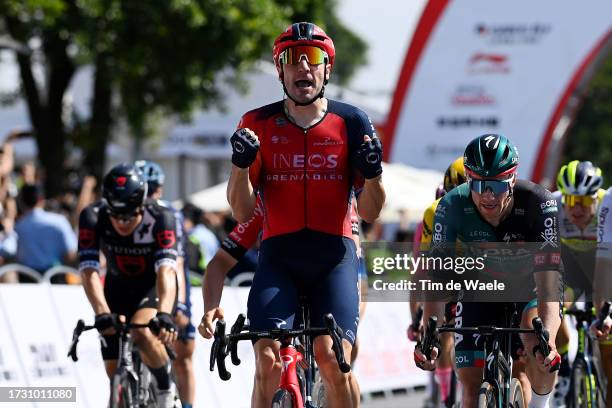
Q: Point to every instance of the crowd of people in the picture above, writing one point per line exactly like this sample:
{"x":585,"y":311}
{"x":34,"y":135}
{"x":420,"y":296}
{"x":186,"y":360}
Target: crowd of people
{"x":40,"y":232}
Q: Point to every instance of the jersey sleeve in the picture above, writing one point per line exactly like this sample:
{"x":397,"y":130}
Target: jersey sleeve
{"x":604,"y":227}
{"x":358,"y":125}
{"x":88,"y":240}
{"x":428,"y":220}
{"x":244,"y":235}
{"x":544,"y":230}
{"x":166,"y":240}
{"x":445,"y":222}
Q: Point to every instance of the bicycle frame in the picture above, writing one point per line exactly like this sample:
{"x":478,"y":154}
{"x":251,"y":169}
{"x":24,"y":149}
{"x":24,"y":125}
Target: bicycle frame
{"x":498,"y":369}
{"x":584,"y":353}
{"x":290,"y":357}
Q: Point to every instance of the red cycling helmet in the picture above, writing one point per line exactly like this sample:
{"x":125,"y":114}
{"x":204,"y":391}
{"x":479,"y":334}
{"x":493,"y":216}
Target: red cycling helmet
{"x":303,"y":33}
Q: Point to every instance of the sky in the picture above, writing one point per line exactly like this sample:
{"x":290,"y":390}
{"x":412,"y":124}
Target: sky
{"x":387,"y":26}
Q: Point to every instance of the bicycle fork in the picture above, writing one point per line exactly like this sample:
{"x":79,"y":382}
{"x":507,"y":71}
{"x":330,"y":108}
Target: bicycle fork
{"x":289,"y":381}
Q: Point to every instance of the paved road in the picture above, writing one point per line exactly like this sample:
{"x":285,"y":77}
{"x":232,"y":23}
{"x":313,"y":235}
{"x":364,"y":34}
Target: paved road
{"x":414,"y":399}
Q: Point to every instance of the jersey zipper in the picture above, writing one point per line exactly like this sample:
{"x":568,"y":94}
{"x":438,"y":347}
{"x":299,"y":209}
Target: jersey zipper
{"x":305,"y":178}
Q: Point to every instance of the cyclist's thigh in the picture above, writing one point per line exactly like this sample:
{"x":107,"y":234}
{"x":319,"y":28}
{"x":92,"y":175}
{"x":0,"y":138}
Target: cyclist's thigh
{"x":273,"y":297}
{"x":336,"y":291}
{"x":469,"y":348}
{"x":146,"y":308}
{"x":470,"y":378}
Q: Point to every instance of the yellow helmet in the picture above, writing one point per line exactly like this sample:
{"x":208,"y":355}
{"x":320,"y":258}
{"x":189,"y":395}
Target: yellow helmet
{"x":455,"y":175}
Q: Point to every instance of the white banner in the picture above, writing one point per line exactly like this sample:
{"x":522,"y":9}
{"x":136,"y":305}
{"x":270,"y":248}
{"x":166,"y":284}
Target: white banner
{"x":483,"y":66}
{"x":36,"y":323}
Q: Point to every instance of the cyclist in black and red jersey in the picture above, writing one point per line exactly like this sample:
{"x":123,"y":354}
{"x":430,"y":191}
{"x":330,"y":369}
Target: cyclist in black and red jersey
{"x":307,"y":157}
{"x":139,"y":241}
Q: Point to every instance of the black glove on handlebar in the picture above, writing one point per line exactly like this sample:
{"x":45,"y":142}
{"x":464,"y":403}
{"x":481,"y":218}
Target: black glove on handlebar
{"x":105,"y":321}
{"x":165,"y":321}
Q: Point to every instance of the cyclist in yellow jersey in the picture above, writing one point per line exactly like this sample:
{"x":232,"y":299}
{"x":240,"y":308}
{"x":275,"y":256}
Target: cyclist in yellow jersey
{"x":454,"y":176}
{"x":578,"y":189}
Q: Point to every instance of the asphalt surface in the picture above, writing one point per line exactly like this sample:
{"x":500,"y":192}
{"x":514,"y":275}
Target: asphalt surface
{"x":411,"y":399}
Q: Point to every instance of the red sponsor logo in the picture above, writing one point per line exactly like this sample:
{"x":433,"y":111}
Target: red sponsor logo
{"x":166,"y":239}
{"x":540,"y":259}
{"x":130,"y":265}
{"x":87,"y":238}
{"x":121,"y":180}
{"x":488,"y":63}
{"x":555,"y":259}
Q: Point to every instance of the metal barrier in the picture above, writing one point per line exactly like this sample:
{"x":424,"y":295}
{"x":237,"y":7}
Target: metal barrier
{"x":23,"y":270}
{"x":243,"y":279}
{"x":74,"y":277}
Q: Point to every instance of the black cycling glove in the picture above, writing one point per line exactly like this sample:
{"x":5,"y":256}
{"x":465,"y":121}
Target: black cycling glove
{"x":105,"y":321}
{"x":368,"y":158}
{"x":244,"y":148}
{"x":165,"y":321}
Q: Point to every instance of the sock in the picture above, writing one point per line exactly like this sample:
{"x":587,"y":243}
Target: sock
{"x":162,"y":376}
{"x":443,"y":378}
{"x":538,"y":400}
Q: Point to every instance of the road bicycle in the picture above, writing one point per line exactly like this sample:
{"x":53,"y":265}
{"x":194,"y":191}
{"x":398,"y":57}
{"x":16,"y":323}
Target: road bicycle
{"x":298,"y":373}
{"x":132,"y":384}
{"x":586,"y":389}
{"x":498,"y":388}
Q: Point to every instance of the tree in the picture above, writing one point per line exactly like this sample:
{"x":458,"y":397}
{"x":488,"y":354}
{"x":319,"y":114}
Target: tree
{"x":591,"y":135}
{"x":149,"y":59}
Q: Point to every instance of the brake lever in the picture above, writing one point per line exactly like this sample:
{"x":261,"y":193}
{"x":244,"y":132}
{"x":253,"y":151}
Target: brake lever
{"x":236,"y":329}
{"x":336,"y":334}
{"x":76,"y":333}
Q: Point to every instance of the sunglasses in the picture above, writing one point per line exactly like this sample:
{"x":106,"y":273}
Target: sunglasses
{"x":314,"y":55}
{"x":494,"y":186}
{"x":123,"y":217}
{"x":573,"y":200}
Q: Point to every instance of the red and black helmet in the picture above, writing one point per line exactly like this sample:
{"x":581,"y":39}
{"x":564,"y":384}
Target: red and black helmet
{"x":303,"y":33}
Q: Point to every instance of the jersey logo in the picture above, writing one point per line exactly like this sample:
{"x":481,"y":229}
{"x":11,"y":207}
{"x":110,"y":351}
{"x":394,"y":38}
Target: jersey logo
{"x":130,"y":265}
{"x":143,"y":230}
{"x":490,"y":139}
{"x":144,"y":233}
{"x":86,"y":238}
{"x":166,"y":239}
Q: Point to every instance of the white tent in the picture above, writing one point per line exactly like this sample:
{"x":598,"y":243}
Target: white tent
{"x":408,"y":188}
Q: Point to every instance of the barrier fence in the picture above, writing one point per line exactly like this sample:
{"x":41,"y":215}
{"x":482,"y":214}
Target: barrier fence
{"x":36,"y":322}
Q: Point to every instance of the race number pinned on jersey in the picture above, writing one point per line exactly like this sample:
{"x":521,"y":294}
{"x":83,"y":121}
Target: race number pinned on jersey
{"x":166,"y":239}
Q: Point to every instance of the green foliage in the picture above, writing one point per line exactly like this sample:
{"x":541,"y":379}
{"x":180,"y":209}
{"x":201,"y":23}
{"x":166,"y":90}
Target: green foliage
{"x":158,"y":57}
{"x":591,"y":136}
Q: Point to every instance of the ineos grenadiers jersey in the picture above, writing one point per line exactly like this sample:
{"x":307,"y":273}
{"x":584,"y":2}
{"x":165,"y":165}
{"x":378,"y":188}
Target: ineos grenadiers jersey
{"x":305,"y":177}
{"x":572,"y":236}
{"x":244,"y":235}
{"x":132,"y":261}
{"x":533,"y":218}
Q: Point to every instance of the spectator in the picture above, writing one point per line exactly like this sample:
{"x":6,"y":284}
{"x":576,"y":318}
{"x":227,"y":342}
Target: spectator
{"x":8,"y":249}
{"x":198,"y":232}
{"x":45,"y":239}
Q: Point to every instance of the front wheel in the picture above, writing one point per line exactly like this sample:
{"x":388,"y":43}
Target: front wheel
{"x":516,"y":394}
{"x":487,"y":396}
{"x":584,"y":387}
{"x":282,"y":399}
{"x":120,"y":392}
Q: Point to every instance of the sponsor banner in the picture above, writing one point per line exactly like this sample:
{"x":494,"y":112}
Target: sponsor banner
{"x":491,"y":67}
{"x":34,"y":351}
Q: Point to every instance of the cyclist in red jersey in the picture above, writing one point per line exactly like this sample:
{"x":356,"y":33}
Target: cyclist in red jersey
{"x":307,"y":157}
